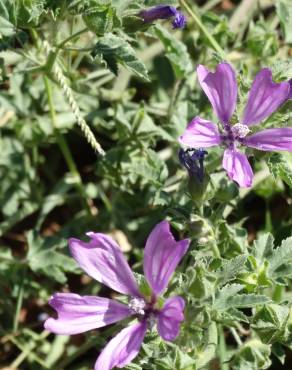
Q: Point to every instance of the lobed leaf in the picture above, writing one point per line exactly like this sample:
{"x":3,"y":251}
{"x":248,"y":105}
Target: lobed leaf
{"x":114,"y":49}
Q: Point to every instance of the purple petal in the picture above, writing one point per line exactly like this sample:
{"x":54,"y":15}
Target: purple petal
{"x":290,"y":91}
{"x":271,"y":139}
{"x":102,"y":259}
{"x":78,"y":314}
{"x":264,"y":98}
{"x":161,"y":256}
{"x":221,"y":89}
{"x":179,"y":21}
{"x":123,"y":348}
{"x":200,"y":133}
{"x":238,"y":168}
{"x":170,"y":317}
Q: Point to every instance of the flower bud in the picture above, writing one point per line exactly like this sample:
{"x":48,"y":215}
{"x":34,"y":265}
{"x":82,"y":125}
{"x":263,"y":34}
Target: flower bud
{"x":164,"y":12}
{"x":193,"y":161}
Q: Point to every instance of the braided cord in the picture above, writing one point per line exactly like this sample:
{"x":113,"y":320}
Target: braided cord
{"x":73,"y":104}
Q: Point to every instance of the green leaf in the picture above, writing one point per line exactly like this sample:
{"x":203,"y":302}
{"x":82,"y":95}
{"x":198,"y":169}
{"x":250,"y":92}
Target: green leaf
{"x":252,"y":355}
{"x":44,"y":258}
{"x":6,"y":28}
{"x":263,"y":247}
{"x":114,"y":50}
{"x":183,"y":360}
{"x":230,"y":268}
{"x":284,"y":11}
{"x":279,"y":352}
{"x":270,"y":323}
{"x":280,"y":165}
{"x":246,"y":300}
{"x":224,"y":295}
{"x":176,"y":52}
{"x":233,"y":314}
{"x":100,"y":17}
{"x":228,"y":298}
{"x":124,"y":166}
{"x":133,"y":367}
{"x":55,"y":199}
{"x":232,"y":240}
{"x":281,"y":257}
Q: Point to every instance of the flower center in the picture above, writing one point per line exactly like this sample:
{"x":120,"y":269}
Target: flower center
{"x":240,"y":130}
{"x":138,"y":305}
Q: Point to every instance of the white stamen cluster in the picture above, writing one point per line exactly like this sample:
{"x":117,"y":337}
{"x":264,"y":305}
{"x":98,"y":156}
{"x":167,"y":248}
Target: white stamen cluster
{"x":240,"y":130}
{"x":137,"y":305}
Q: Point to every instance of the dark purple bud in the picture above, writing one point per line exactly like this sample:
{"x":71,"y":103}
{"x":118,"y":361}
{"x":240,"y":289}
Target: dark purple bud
{"x":164,"y":12}
{"x":193,"y":161}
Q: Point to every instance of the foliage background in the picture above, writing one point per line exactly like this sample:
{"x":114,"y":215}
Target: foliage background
{"x":136,"y":88}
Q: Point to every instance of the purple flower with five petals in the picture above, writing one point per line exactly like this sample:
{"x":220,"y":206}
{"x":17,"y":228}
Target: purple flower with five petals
{"x":102,"y":259}
{"x":265,"y":97}
{"x":164,"y":12}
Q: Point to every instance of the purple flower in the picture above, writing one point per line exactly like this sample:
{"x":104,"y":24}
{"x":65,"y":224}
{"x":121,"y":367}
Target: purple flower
{"x":265,"y":97}
{"x":164,"y":12}
{"x":102,"y":259}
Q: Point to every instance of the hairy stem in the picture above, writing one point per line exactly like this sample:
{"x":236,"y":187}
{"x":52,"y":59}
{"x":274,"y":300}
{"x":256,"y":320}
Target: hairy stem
{"x":204,"y":30}
{"x":222,"y":350}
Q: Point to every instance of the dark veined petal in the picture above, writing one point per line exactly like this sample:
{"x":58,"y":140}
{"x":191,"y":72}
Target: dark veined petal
{"x":162,"y":254}
{"x":158,"y":12}
{"x":221,"y":89}
{"x":78,"y":314}
{"x":238,"y":168}
{"x":164,"y":12}
{"x":265,"y":97}
{"x":123,"y":348}
{"x":170,"y":317}
{"x":102,"y":259}
{"x":271,"y":139}
{"x":200,"y":133}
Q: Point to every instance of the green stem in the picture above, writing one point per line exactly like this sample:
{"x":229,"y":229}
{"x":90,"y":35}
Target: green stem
{"x":92,"y":341}
{"x":79,"y":49}
{"x":236,"y":337}
{"x":222,"y":350}
{"x":72,"y":37}
{"x":65,"y":148}
{"x":268,"y":218}
{"x":19,"y":303}
{"x":277,"y":294}
{"x":201,"y":26}
{"x":215,"y":250}
{"x":174,"y":97}
{"x":27,"y":350}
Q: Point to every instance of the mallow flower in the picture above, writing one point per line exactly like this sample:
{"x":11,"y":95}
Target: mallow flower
{"x":102,"y":259}
{"x":164,"y":12}
{"x":264,"y":98}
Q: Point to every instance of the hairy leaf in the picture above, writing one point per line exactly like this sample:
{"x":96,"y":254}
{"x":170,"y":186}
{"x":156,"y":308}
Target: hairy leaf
{"x":114,"y":49}
{"x":175,"y":51}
